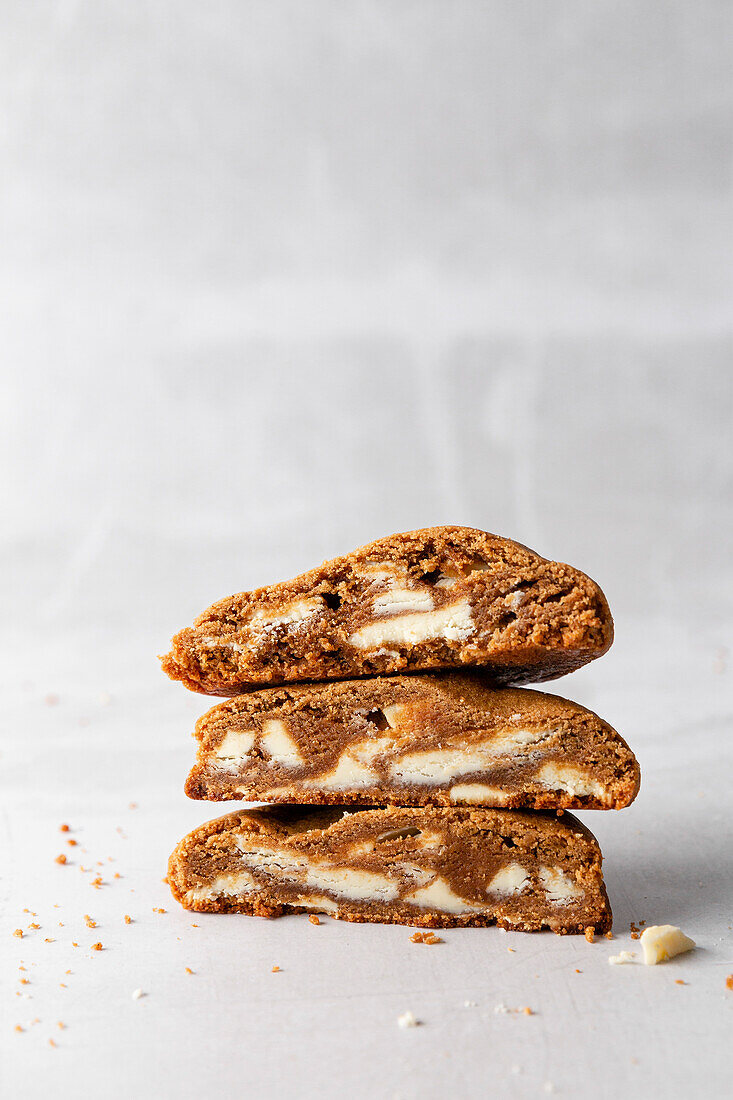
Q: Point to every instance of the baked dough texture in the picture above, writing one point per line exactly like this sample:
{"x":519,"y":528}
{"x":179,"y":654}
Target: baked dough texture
{"x":421,"y":866}
{"x":439,"y":598}
{"x":425,"y":739}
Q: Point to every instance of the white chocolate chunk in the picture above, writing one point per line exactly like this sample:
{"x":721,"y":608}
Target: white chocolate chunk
{"x":240,"y":882}
{"x":395,"y":714}
{"x":279,"y":744}
{"x":559,"y":887}
{"x":351,"y":884}
{"x":319,"y":904}
{"x":442,"y":765}
{"x":510,"y":880}
{"x":438,"y":895}
{"x":402,"y":599}
{"x":622,"y":958}
{"x":348,"y":883}
{"x":347,"y":773}
{"x":223,"y":643}
{"x":235,"y":745}
{"x":288,"y":615}
{"x":663,"y":941}
{"x":571,"y":779}
{"x":407,"y":1019}
{"x":452,"y":622}
{"x":474,"y":793}
{"x":352,"y":769}
{"x":381,"y":571}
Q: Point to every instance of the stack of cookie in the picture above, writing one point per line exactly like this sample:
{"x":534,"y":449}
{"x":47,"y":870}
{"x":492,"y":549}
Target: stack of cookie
{"x":411,"y":786}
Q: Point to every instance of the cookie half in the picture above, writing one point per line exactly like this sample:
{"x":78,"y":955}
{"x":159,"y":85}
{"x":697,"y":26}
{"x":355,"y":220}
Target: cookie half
{"x":444,"y":597}
{"x":442,"y":739}
{"x":425,"y":866}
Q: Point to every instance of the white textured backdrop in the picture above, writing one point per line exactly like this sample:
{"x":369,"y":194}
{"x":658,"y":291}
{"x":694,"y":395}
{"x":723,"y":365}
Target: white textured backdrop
{"x":279,"y":278}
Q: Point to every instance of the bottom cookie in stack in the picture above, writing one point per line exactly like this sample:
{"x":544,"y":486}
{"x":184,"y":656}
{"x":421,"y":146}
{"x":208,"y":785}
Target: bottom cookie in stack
{"x":426,"y":866}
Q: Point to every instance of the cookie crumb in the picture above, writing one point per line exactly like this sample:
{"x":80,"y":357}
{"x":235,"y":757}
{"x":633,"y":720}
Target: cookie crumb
{"x":51,"y":1043}
{"x":18,"y":932}
{"x":128,"y":918}
{"x":678,"y":981}
{"x":89,"y":922}
{"x":276,"y":970}
{"x":416,"y":937}
{"x":137,"y":994}
{"x":49,"y":939}
{"x":18,"y":1027}
{"x":407,"y":1019}
{"x":313,"y":919}
{"x":64,"y":828}
{"x":61,"y":858}
{"x":729,"y":982}
{"x":623,"y":957}
{"x":159,"y":910}
{"x":97,"y":946}
{"x":189,"y":970}
{"x":590,"y":934}
{"x":430,"y":938}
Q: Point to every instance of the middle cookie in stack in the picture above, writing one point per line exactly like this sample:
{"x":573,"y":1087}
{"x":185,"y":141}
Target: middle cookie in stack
{"x":427,"y":757}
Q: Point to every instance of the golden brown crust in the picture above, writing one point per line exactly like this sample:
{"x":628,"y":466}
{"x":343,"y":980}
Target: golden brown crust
{"x":349,"y":741}
{"x":493,"y":603}
{"x":294,"y":860}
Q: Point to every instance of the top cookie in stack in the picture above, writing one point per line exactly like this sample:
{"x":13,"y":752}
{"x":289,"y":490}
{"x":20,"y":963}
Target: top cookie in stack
{"x":443,"y":597}
{"x":374,"y":683}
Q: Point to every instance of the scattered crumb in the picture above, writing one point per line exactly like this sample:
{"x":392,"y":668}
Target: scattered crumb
{"x":61,"y":858}
{"x":128,"y":918}
{"x":74,"y":944}
{"x":590,"y":934}
{"x":18,"y":932}
{"x":62,"y":985}
{"x":117,"y":874}
{"x":51,"y":1043}
{"x":407,"y":1019}
{"x":623,"y":957}
{"x":189,"y":970}
{"x":18,"y":1027}
{"x":416,"y":937}
{"x":578,"y":971}
{"x":72,"y":842}
{"x":512,"y":949}
{"x":49,"y":939}
{"x":89,"y":922}
{"x":159,"y":910}
{"x":678,"y":981}
{"x":276,"y":970}
{"x":24,"y":981}
{"x":470,"y":1004}
{"x":97,"y":946}
{"x":133,"y":806}
{"x":194,"y":925}
{"x":608,"y":935}
{"x":527,"y":1011}
{"x":61,"y":1024}
{"x":500,"y":1010}
{"x":729,"y":982}
{"x":52,"y":700}
{"x":64,"y":828}
{"x":137,"y":994}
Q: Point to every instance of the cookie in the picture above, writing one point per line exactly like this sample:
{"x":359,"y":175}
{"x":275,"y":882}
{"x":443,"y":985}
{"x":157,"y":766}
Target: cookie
{"x":432,"y":739}
{"x":433,"y":867}
{"x":444,"y":597}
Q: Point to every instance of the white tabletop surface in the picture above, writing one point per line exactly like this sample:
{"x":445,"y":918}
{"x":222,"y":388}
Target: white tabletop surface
{"x":278,"y":279}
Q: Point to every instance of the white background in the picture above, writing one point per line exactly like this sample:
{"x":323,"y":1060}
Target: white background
{"x":280,"y":278}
